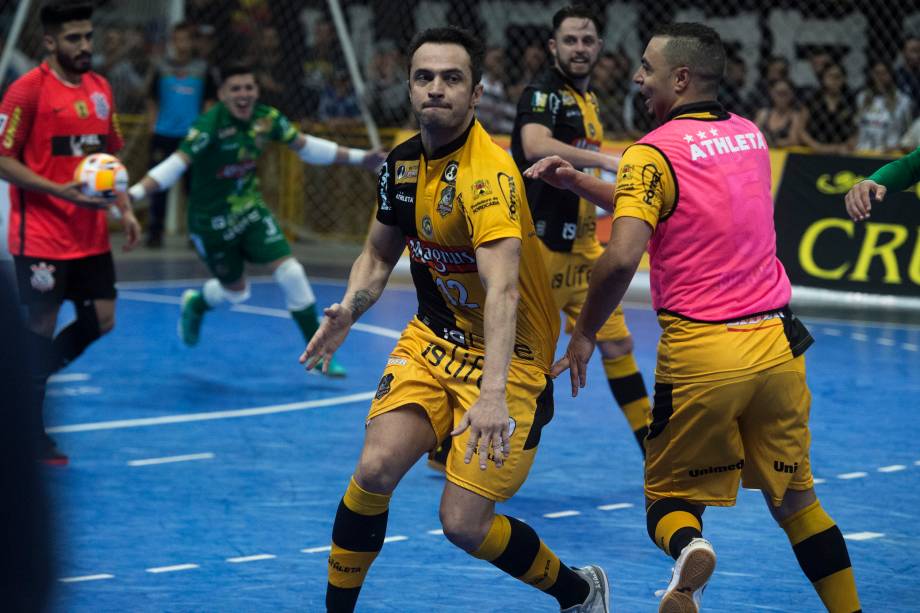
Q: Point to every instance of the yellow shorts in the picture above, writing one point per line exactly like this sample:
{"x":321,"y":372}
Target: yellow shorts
{"x":569,"y":274}
{"x":443,"y":379}
{"x":705,"y":437}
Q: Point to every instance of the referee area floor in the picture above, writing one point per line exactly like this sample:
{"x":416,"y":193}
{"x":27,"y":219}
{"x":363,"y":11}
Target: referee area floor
{"x":207,"y":479}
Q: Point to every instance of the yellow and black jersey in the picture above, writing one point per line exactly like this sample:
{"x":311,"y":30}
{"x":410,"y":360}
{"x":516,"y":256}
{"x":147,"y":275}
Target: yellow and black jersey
{"x":464,"y":195}
{"x":564,"y":222}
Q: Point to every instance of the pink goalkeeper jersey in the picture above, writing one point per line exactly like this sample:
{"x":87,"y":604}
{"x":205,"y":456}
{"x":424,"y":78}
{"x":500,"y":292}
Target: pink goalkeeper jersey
{"x":713,"y":258}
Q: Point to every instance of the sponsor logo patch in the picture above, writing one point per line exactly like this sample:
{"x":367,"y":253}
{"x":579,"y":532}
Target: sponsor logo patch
{"x":446,"y":201}
{"x":383,"y":388}
{"x":442,"y":259}
{"x":450,"y":172}
{"x":426,"y":226}
{"x":406,"y":172}
{"x":81,"y":108}
{"x":481,"y":188}
{"x":396,"y":361}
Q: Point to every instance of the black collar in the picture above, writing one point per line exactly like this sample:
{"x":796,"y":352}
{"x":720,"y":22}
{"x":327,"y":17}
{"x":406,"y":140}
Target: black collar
{"x":567,"y":81}
{"x":445,"y":150}
{"x":706,"y":106}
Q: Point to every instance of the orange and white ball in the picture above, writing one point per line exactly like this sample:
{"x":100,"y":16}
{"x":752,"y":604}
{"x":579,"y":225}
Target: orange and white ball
{"x":102,"y":175}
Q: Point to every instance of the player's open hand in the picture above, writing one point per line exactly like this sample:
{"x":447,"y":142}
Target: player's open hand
{"x":132,"y":230}
{"x":73,"y":193}
{"x":328,"y":338}
{"x":374,"y":158}
{"x":553,"y":170}
{"x":575,"y":360}
{"x":859,"y":198}
{"x":487,"y":421}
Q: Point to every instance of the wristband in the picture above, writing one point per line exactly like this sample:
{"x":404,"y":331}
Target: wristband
{"x":137,"y":192}
{"x":356,"y":156}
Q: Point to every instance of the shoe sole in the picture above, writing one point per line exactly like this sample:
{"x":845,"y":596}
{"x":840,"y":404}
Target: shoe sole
{"x":695,"y":571}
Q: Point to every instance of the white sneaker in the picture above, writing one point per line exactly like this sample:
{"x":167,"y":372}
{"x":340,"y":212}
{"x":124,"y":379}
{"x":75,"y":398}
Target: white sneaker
{"x":692,"y":571}
{"x":598,"y":600}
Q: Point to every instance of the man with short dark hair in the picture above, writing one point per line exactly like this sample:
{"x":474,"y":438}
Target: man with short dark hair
{"x":558,"y":115}
{"x":228,"y":220}
{"x":907,"y":74}
{"x":474,"y":362}
{"x":731,"y":400}
{"x":50,"y":119}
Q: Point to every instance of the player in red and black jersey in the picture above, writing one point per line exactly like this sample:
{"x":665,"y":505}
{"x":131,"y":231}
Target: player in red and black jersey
{"x":50,"y":119}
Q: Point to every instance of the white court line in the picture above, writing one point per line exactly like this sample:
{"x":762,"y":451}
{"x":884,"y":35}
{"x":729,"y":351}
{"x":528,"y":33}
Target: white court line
{"x":726,"y":573}
{"x":615,"y":506}
{"x":888,"y":342}
{"x":832,"y":332}
{"x":438,"y":532}
{"x":176,"y":458}
{"x":69,"y":377}
{"x":559,"y":514}
{"x":252,"y":310}
{"x":909,"y":347}
{"x":892,"y":469}
{"x":862,"y":536}
{"x":316,"y":549}
{"x":856,"y":475}
{"x":859,"y":336}
{"x":98,"y":577}
{"x":916,"y":462}
{"x":255,"y":558}
{"x":819,"y":481}
{"x":171,"y":569}
{"x":190,"y":417}
{"x":395,"y":539}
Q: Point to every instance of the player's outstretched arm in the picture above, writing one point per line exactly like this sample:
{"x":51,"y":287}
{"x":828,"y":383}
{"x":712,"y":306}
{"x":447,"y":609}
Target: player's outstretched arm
{"x":498,"y":262}
{"x":859,"y":199}
{"x":322,"y":152}
{"x":538,"y":142}
{"x":20,"y":175}
{"x":562,"y":174}
{"x":610,"y":278}
{"x":162,"y":176}
{"x":368,"y":277}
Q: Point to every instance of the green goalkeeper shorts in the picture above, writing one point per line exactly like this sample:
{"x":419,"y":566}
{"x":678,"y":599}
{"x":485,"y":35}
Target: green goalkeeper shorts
{"x":225,"y":242}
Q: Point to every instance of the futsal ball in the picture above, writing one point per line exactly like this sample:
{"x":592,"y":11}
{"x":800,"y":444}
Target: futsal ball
{"x":102,"y":176}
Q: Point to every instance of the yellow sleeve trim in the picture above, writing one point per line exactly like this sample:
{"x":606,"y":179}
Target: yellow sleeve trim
{"x":646,"y":185}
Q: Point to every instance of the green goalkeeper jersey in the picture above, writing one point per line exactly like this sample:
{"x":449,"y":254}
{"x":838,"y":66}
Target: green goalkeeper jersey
{"x":224,"y":151}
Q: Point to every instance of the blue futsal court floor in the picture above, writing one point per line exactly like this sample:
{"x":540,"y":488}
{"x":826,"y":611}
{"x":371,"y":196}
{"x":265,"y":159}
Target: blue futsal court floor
{"x":207,"y":479}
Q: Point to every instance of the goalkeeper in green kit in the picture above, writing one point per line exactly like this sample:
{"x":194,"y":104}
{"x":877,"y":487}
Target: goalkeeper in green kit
{"x":897,"y":175}
{"x":228,"y":220}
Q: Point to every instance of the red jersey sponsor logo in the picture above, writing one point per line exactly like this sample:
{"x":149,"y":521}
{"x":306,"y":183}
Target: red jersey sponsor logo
{"x":444,"y":260}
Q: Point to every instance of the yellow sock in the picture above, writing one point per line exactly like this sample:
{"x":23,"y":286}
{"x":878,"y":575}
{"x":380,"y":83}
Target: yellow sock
{"x":628,"y":389}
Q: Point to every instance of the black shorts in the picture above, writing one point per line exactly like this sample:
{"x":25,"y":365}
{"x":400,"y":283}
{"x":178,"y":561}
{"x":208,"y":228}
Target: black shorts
{"x":48,"y":281}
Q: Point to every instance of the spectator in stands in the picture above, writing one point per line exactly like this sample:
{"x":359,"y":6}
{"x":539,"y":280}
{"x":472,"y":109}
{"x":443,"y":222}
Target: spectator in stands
{"x":175,"y":99}
{"x":829,"y":122}
{"x":495,"y":111}
{"x":775,"y":68}
{"x":907,"y":75}
{"x":324,"y":58}
{"x":883,"y":112}
{"x":338,"y":104}
{"x":781,"y":120}
{"x":278,"y":72}
{"x":386,"y":85}
{"x":124,"y":62}
{"x":20,"y":63}
{"x":532,"y":60}
{"x":731,"y":94}
{"x":207,"y":50}
{"x":610,"y":82}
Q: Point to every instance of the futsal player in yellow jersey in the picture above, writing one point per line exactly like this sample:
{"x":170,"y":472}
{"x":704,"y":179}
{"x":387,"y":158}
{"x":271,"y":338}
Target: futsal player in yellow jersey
{"x":558,"y":115}
{"x":474,"y":361}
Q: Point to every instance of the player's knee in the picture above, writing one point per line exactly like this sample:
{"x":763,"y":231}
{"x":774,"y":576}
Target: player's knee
{"x":292,"y":278}
{"x":793,"y":502}
{"x":375,"y":473}
{"x":463,"y":530}
{"x":106,"y":324}
{"x":616,"y":348}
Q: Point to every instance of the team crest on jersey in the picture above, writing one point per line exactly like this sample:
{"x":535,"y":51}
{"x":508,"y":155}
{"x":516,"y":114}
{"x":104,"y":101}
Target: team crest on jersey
{"x":446,"y":201}
{"x":407,"y":172}
{"x":427,"y":230}
{"x":42,"y":277}
{"x":450,"y":172}
{"x":481,"y":188}
{"x":383,"y":388}
{"x":101,"y":105}
{"x":81,"y":108}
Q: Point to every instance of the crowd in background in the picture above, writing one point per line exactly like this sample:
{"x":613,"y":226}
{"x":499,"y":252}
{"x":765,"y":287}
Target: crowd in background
{"x":310,"y":81}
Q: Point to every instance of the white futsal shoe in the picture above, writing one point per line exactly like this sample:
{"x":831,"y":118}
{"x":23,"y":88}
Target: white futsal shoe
{"x":598,"y":600}
{"x":689,"y":577}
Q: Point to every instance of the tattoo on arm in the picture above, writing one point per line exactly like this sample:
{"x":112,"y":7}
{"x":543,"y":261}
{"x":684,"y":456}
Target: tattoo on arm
{"x":360,"y":302}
